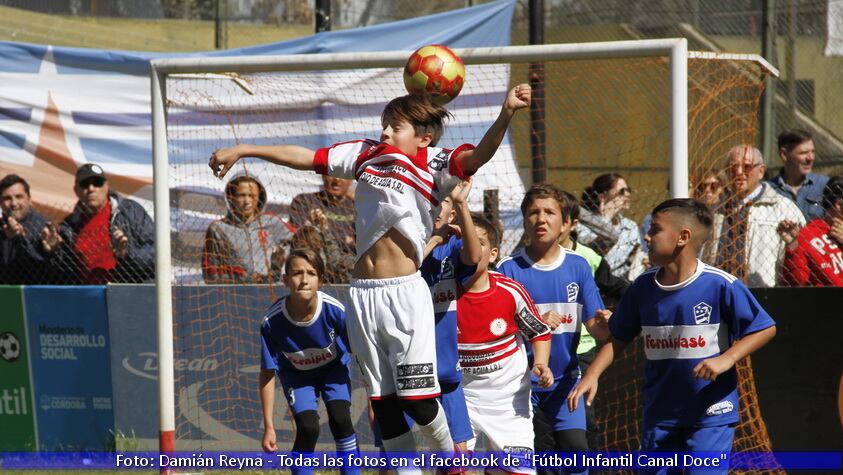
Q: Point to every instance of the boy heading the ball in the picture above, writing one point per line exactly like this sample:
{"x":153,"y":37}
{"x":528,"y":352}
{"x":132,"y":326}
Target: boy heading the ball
{"x":401,"y":178}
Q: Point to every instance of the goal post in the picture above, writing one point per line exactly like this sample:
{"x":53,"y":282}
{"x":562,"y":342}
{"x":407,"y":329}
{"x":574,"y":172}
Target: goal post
{"x":195,"y":111}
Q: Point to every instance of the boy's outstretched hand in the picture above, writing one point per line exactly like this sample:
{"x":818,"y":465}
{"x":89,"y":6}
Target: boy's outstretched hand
{"x":587,"y":387}
{"x":544,"y":374}
{"x":460,"y":192}
{"x":223,"y":159}
{"x":518,"y":97}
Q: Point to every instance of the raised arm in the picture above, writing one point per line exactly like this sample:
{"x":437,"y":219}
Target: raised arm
{"x":291,"y":156}
{"x":470,"y":254}
{"x":471,"y":160}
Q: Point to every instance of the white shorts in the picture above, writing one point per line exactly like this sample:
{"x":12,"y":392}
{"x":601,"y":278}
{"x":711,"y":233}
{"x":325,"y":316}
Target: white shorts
{"x":391,"y":332}
{"x":504,"y":430}
{"x":498,"y":400}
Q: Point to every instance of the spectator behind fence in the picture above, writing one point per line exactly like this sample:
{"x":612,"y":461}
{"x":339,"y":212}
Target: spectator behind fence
{"x":246,"y":246}
{"x":795,"y":180}
{"x":106,"y":238}
{"x":751,"y":223}
{"x":22,"y":260}
{"x":708,"y":187}
{"x":815,"y":257}
{"x":330,"y":209}
{"x":604,"y":228}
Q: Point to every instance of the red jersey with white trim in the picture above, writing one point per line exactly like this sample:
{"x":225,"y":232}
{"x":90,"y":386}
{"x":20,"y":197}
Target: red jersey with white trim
{"x":394,"y":190}
{"x":817,"y":261}
{"x":492,"y":357}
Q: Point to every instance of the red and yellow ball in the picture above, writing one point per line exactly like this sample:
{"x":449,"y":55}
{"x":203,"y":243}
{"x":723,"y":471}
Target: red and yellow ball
{"x":437,"y":70}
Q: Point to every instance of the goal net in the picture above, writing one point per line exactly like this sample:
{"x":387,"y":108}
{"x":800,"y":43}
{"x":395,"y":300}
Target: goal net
{"x":602,"y":112}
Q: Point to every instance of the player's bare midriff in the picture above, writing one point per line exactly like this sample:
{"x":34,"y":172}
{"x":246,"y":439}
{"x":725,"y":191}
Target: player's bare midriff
{"x":393,"y":255}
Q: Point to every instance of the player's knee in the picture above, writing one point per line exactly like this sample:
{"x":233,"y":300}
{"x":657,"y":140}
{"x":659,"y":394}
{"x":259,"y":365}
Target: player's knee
{"x":572,"y":440}
{"x":307,"y":431}
{"x":422,"y":411}
{"x":339,"y":418}
{"x":390,"y":418}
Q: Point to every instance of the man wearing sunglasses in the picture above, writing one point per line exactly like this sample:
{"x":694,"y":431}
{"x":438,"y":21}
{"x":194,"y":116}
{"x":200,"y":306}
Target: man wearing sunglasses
{"x":753,"y":222}
{"x":106,"y":238}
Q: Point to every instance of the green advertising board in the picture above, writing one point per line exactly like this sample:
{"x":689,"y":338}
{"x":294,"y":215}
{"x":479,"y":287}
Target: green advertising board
{"x":17,"y":414}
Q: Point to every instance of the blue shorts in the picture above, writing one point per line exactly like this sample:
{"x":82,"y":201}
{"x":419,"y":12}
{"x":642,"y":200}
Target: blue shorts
{"x":689,"y":439}
{"x":302,"y":390}
{"x":456,"y":413}
{"x":554,"y":406}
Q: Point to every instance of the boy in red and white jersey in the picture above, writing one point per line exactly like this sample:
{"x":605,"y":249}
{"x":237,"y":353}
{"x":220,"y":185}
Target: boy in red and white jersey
{"x":496,"y":376}
{"x":814,"y":256}
{"x":400,"y":179}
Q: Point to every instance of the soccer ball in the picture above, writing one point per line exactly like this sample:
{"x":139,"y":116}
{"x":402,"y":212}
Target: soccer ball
{"x":9,"y":347}
{"x":437,"y":70}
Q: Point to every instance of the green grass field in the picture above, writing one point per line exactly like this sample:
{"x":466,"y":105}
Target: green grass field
{"x":131,"y":34}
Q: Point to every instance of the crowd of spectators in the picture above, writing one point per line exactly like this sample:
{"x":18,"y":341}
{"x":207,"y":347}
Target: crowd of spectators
{"x":105,"y":238}
{"x":787,"y":230}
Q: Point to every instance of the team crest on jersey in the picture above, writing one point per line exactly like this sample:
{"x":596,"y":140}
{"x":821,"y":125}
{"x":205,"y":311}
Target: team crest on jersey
{"x":702,"y":313}
{"x":497,"y":326}
{"x":573,"y":291}
{"x":439,"y":162}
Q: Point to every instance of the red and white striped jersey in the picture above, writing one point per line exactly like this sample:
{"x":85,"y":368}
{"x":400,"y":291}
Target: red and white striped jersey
{"x":492,"y":356}
{"x":487,"y":322}
{"x":394,"y":190}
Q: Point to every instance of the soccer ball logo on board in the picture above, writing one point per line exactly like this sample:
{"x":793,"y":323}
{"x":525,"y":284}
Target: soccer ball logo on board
{"x":9,"y":347}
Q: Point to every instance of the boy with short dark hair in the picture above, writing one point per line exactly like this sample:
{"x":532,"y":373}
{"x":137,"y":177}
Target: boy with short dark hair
{"x":401,"y":178}
{"x":562,"y":285}
{"x":496,"y":372}
{"x":697,"y":322}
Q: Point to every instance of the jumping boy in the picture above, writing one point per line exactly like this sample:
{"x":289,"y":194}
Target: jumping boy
{"x":304,"y":341}
{"x":697,"y":322}
{"x":400,"y":179}
{"x":496,"y":373}
{"x":561,"y":283}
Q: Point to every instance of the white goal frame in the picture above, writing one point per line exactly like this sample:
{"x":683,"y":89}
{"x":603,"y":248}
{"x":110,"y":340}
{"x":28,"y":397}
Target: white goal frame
{"x":676,"y":50}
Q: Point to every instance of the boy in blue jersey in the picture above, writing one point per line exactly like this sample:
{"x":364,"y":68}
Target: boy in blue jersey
{"x":563,"y":288}
{"x":304,"y":341}
{"x":697,"y":322}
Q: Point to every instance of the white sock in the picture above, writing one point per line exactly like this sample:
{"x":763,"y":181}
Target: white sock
{"x":403,"y":443}
{"x":437,"y":433}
